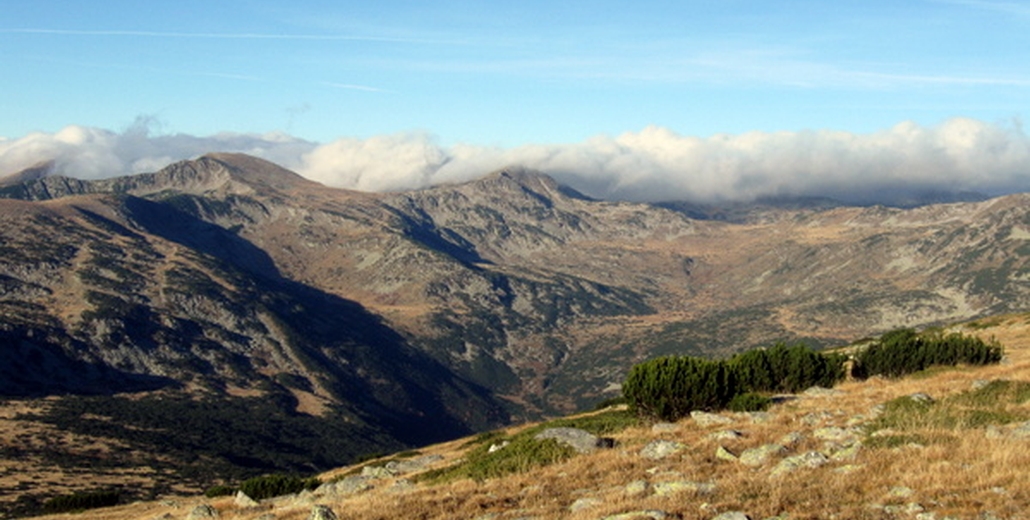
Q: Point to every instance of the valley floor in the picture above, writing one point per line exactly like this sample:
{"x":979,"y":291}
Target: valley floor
{"x":828,"y":465}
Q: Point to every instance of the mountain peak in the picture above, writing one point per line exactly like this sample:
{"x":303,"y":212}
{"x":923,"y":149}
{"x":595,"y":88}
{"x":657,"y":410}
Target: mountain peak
{"x":250,"y":169}
{"x":529,"y":180}
{"x":32,"y":173}
{"x":233,"y":172}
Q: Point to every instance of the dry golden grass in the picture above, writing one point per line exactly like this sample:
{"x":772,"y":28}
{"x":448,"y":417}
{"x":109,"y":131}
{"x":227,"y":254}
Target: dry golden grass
{"x":963,"y":475}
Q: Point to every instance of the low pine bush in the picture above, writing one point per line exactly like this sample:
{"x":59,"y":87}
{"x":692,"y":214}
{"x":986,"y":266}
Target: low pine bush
{"x":783,"y":368}
{"x":81,"y":501}
{"x":219,"y":491}
{"x":904,"y":351}
{"x":269,"y":486}
{"x":750,"y":402}
{"x":670,"y":387}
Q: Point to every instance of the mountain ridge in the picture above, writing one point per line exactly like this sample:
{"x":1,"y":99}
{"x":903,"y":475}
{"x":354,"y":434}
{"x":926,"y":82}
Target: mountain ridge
{"x":501,"y":299}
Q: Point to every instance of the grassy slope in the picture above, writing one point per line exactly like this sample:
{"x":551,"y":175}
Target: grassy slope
{"x":961,"y":473}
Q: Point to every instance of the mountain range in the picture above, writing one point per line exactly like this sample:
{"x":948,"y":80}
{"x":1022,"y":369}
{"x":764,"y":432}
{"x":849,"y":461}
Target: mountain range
{"x":396,"y":319}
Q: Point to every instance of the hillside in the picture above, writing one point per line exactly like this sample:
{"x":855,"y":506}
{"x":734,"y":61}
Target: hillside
{"x":289,"y":326}
{"x":877,"y":463}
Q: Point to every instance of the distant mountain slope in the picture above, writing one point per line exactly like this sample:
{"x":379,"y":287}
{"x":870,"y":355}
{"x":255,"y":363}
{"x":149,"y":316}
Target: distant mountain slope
{"x":115,"y":293}
{"x":453,"y":308}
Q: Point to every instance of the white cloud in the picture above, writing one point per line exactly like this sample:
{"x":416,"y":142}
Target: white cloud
{"x":92,"y":153}
{"x":652,"y":164}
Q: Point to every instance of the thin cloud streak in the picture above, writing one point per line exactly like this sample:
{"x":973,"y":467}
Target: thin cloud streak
{"x":229,"y":36}
{"x":1001,"y":7}
{"x":351,"y":86}
{"x":654,"y":164}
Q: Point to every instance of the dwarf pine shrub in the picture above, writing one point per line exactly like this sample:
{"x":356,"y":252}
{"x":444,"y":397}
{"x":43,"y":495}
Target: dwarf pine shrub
{"x":269,"y":486}
{"x":670,"y":387}
{"x":904,"y":351}
{"x":81,"y":501}
{"x":783,"y":368}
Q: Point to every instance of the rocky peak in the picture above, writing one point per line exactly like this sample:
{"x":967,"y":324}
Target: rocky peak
{"x":522,"y":181}
{"x":32,"y":173}
{"x":232,"y":172}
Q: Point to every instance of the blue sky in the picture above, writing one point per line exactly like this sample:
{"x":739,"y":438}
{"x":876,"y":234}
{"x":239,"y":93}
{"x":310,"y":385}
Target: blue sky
{"x":513,"y":74}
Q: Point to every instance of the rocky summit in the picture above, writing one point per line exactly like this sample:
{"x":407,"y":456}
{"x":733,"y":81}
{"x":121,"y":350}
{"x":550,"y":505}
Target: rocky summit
{"x":227,"y":285}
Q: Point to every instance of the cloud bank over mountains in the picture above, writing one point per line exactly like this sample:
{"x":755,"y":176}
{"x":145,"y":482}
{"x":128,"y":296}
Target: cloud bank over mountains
{"x":654,"y":164}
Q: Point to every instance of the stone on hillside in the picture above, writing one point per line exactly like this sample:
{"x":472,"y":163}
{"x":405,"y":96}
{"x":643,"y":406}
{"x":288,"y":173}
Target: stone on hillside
{"x":994,"y":432}
{"x":835,"y":434}
{"x":758,"y":456}
{"x":585,"y":503}
{"x":818,"y":391}
{"x":665,"y":427}
{"x":725,"y":435}
{"x":320,"y":512}
{"x":792,"y":438}
{"x":401,"y":486}
{"x":202,"y":511}
{"x":400,"y":467}
{"x":637,"y":487}
{"x":345,"y":486}
{"x":921,"y":397}
{"x":659,"y":449}
{"x":848,"y":468}
{"x":877,"y":410}
{"x":377,"y":472}
{"x":580,"y":440}
{"x":243,"y":500}
{"x":732,"y":515}
{"x":498,"y":446}
{"x":980,"y":383}
{"x":709,"y":419}
{"x":653,"y":514}
{"x":814,"y":418}
{"x":664,"y":489}
{"x":722,"y":453}
{"x":1021,"y":430}
{"x":758,"y":417}
{"x":812,"y":459}
{"x":900,"y":492}
{"x":848,"y":451}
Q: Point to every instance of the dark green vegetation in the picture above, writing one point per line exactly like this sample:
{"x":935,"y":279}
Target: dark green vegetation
{"x":670,"y":387}
{"x":906,"y":351}
{"x":268,"y":486}
{"x":81,"y":501}
{"x":908,"y":420}
{"x":199,"y":442}
{"x":522,"y":452}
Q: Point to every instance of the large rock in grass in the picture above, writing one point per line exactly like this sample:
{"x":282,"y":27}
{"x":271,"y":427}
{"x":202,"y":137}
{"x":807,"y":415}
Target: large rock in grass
{"x":322,"y":513}
{"x":580,"y":440}
{"x":760,"y":455}
{"x":659,"y":449}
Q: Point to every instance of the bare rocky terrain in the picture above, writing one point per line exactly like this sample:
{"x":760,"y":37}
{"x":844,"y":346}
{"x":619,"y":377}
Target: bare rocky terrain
{"x":397,"y":319}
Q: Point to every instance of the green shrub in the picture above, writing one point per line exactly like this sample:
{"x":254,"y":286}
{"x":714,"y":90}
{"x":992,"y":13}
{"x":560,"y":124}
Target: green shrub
{"x":219,"y":491}
{"x":670,"y":387}
{"x":904,"y":351}
{"x":523,"y":451}
{"x":783,"y":368}
{"x":81,"y":501}
{"x":749,"y":402}
{"x":603,"y":423}
{"x":521,"y":454}
{"x":269,"y":486}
